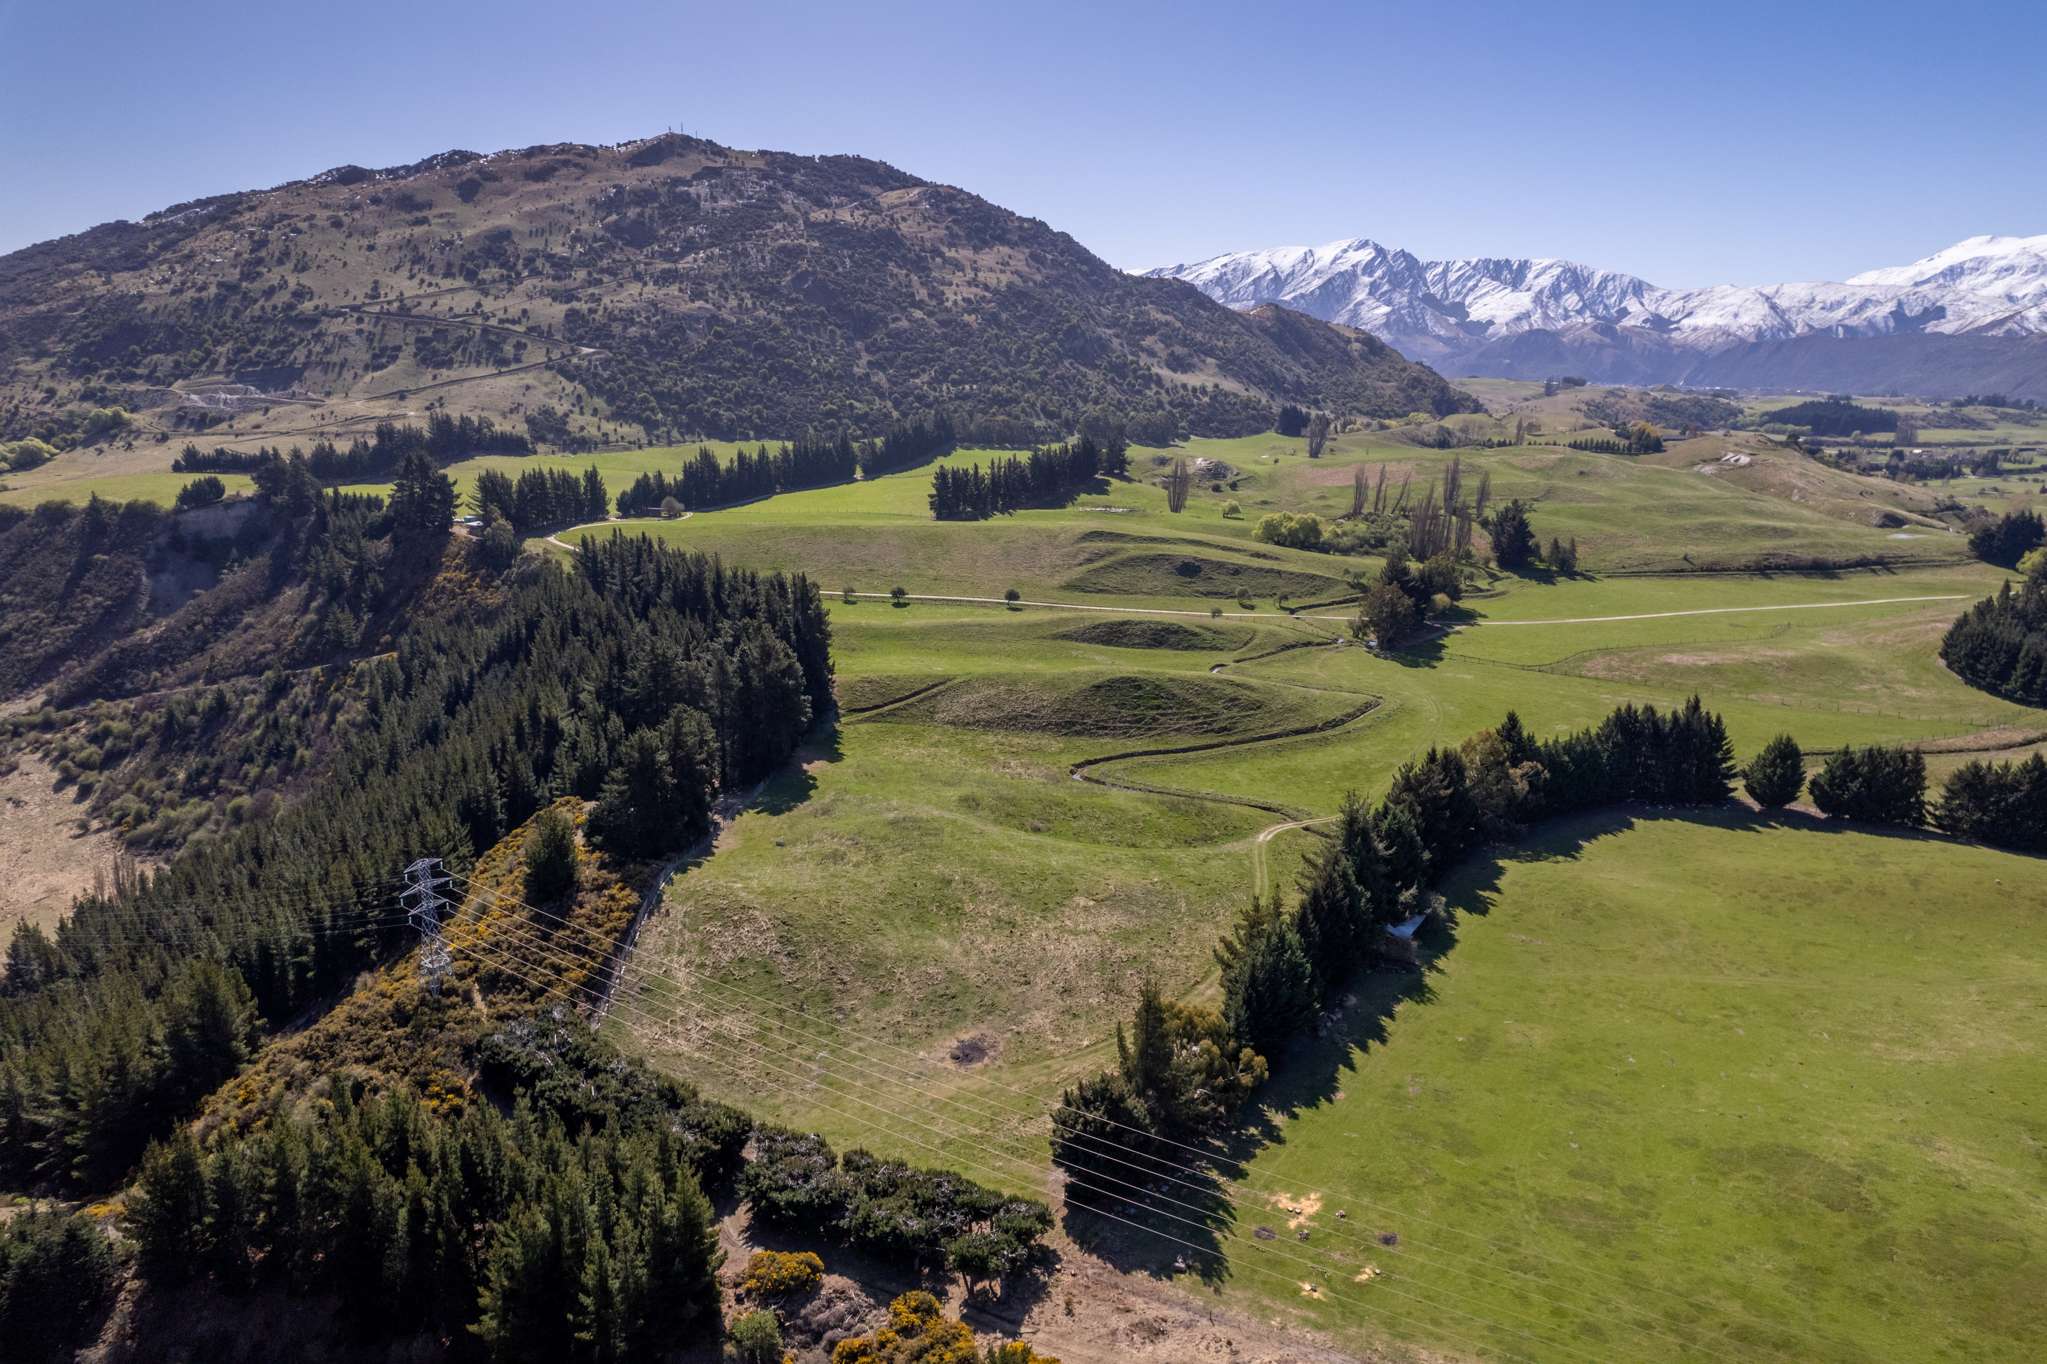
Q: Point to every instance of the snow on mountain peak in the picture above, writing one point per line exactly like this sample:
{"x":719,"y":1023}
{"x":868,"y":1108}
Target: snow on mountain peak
{"x":1987,"y":264}
{"x":1448,"y":308}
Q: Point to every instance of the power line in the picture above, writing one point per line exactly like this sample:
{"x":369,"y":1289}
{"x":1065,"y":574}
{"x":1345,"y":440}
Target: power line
{"x":512,"y":955}
{"x":952,"y":1158}
{"x":1093,"y":1146}
{"x":1138,"y":1192}
{"x":1249,"y":1177}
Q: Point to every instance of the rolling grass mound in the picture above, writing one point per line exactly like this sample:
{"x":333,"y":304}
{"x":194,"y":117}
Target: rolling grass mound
{"x":1156,"y":634}
{"x":1123,"y":539}
{"x":1197,"y":575}
{"x":1117,"y":706}
{"x":874,"y":690}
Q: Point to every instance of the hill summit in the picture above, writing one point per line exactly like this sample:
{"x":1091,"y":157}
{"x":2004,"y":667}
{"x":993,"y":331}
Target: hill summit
{"x":657,"y":289}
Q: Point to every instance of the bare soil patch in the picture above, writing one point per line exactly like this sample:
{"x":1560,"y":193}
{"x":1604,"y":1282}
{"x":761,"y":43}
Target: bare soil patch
{"x":971,"y":1051}
{"x":45,"y":862}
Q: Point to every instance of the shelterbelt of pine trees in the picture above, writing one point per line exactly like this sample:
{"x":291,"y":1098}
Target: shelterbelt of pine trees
{"x":1184,"y":1071}
{"x":443,"y":439}
{"x":704,"y":481}
{"x":1047,"y":477}
{"x":2000,"y":643}
{"x":638,"y":677}
{"x":540,"y":498}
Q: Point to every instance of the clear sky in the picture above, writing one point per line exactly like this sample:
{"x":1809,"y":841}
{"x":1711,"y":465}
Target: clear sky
{"x":1688,"y":143}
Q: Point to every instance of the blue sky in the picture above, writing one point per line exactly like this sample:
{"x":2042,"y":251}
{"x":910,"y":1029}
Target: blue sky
{"x":1693,"y":144}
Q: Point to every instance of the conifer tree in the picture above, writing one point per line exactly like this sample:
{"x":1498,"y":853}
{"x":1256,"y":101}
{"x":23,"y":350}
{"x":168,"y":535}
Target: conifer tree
{"x":1775,"y":776}
{"x":1268,"y":985}
{"x":167,"y":1215}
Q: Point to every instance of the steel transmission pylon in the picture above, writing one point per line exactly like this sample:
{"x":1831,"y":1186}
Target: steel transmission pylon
{"x":423,"y":903}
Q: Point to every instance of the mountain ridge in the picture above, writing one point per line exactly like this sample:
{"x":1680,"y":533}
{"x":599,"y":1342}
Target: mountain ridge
{"x":660,"y":289}
{"x":1476,"y":315}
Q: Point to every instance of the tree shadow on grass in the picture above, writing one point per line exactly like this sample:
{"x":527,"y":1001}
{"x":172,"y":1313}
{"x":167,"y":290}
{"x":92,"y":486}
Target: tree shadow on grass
{"x":1812,"y":822}
{"x":795,"y":782}
{"x":1160,"y":1216}
{"x":1315,"y":1069}
{"x":1541,"y":575}
{"x":1186,"y":1211}
{"x":1425,"y":652}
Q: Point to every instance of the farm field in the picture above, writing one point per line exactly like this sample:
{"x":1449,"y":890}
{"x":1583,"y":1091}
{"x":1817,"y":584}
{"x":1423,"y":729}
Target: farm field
{"x":1938,"y":423}
{"x":926,"y":934}
{"x":1708,"y":1087}
{"x":1680,"y":512}
{"x":144,"y":474}
{"x":964,"y":723}
{"x":915,"y":937}
{"x":1628,"y":516}
{"x":78,"y":483}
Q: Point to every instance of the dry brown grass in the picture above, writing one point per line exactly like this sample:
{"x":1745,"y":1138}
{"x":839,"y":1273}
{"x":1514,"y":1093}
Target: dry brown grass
{"x":46,"y":860}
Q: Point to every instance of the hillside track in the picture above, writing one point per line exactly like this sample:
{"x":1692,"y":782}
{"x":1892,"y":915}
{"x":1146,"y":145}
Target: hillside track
{"x":1469,"y":625}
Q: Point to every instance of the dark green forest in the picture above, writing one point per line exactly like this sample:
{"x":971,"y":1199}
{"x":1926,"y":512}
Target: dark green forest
{"x":2000,"y":643}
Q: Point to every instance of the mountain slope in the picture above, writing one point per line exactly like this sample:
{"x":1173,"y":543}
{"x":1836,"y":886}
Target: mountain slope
{"x":663,"y":288}
{"x":1527,"y":318}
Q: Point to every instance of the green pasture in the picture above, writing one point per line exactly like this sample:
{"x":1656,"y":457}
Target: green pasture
{"x":1669,"y":1088}
{"x":915,"y":941}
{"x":1627,"y":515}
{"x":1680,"y":1088}
{"x":79,"y":485}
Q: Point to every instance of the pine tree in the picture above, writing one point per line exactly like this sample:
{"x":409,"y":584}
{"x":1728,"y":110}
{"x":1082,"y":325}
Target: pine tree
{"x":167,"y":1215}
{"x":1775,"y":776}
{"x":1268,"y":985}
{"x":422,"y":503}
{"x":1145,"y":1056}
{"x":550,"y":857}
{"x":1514,"y":543}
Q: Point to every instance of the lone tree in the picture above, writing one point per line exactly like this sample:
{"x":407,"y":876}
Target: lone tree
{"x":1318,"y":435}
{"x":1775,"y":776}
{"x":1514,"y":544}
{"x":1012,"y":596}
{"x":1179,"y":482}
{"x":550,"y":857}
{"x":1385,"y":617}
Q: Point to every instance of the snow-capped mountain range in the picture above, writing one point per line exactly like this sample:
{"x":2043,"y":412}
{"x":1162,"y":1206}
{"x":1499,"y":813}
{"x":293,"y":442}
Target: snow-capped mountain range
{"x":1979,"y":307}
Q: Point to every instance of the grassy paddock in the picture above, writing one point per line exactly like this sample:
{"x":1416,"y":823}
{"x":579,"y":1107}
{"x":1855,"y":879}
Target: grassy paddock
{"x":1686,"y":1088}
{"x":27,"y":490}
